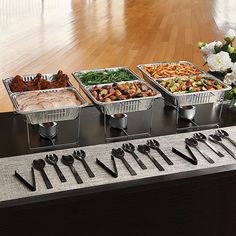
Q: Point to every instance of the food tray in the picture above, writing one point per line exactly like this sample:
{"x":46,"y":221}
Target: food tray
{"x":122,"y":106}
{"x":114,"y":69}
{"x":47,"y":115}
{"x":194,"y":98}
{"x":28,"y":78}
{"x":146,"y":75}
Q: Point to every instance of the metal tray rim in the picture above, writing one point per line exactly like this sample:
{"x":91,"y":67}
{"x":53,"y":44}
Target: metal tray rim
{"x":138,"y":79}
{"x":83,"y":101}
{"x":194,"y":93}
{"x":104,"y":69}
{"x":7,"y":80}
{"x":126,"y":100}
{"x":139,"y":67}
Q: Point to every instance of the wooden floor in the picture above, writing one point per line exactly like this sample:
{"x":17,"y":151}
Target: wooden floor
{"x":48,"y":35}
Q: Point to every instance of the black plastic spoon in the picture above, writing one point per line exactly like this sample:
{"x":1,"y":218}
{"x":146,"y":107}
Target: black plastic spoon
{"x":68,"y":161}
{"x":216,"y":139}
{"x":144,"y":149}
{"x":202,"y":138}
{"x":119,"y":153}
{"x":39,"y":165}
{"x":193,"y":143}
{"x":223,"y":134}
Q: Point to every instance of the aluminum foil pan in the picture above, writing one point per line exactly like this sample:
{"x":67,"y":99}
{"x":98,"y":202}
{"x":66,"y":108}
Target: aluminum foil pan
{"x":189,"y":99}
{"x":50,"y":115}
{"x":121,"y":106}
{"x":114,"y":69}
{"x":194,"y":98}
{"x":48,"y":77}
{"x":146,"y":75}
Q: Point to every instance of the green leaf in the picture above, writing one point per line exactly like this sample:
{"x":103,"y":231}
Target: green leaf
{"x":233,"y":57}
{"x":229,"y":95}
{"x":234,"y":90}
{"x":233,"y":101}
{"x":225,"y":47}
{"x":218,"y":49}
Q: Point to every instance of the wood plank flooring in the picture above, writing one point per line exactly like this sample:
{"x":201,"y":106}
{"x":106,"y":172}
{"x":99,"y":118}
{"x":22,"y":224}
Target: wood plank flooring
{"x":48,"y":35}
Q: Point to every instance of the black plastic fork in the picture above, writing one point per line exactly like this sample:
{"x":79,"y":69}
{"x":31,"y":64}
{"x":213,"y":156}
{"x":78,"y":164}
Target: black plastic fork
{"x":129,"y":147}
{"x":154,"y":144}
{"x":80,"y":155}
{"x":52,"y":159}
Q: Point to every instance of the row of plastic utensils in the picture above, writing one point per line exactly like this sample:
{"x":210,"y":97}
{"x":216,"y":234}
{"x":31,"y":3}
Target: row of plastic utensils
{"x":119,"y":153}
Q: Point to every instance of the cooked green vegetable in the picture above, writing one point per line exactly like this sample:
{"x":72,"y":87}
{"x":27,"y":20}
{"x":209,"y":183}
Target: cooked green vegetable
{"x":191,"y":84}
{"x":104,"y":77}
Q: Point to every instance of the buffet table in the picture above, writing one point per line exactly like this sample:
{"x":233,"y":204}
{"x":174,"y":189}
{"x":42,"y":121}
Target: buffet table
{"x":14,"y":193}
{"x":184,"y":199}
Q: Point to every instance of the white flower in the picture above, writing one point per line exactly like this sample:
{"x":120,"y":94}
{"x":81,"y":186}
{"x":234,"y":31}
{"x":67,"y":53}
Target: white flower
{"x":209,"y":48}
{"x":218,"y":44}
{"x":219,"y":62}
{"x":230,"y":35}
{"x":205,"y":58}
{"x":230,"y":78}
{"x":233,"y":68}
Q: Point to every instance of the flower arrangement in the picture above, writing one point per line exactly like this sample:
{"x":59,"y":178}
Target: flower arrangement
{"x":221,"y":58}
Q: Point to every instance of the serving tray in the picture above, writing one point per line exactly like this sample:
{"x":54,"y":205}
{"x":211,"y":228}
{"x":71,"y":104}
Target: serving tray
{"x":27,"y":78}
{"x":146,"y":75}
{"x":121,"y":106}
{"x":50,"y":115}
{"x":79,"y":74}
{"x":46,"y":115}
{"x":186,"y":99}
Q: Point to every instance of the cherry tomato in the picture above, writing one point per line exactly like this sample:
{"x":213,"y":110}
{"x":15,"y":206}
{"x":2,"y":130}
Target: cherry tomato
{"x":211,"y":81}
{"x":188,"y":84}
{"x":209,"y":87}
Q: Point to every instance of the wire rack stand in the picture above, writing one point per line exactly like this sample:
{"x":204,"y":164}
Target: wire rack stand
{"x":135,"y":128}
{"x":214,"y":111}
{"x":63,"y":139}
{"x":33,"y":119}
{"x":177,"y":100}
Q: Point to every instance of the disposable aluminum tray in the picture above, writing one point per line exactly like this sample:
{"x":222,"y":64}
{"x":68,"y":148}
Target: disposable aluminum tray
{"x":146,"y":75}
{"x":195,"y":98}
{"x":124,"y":106}
{"x":27,"y":78}
{"x":121,"y":106}
{"x":114,"y":69}
{"x":50,"y":115}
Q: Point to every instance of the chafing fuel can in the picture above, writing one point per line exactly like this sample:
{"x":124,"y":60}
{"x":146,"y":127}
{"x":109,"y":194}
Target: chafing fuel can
{"x":119,"y":121}
{"x":48,"y":130}
{"x":187,"y":112}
